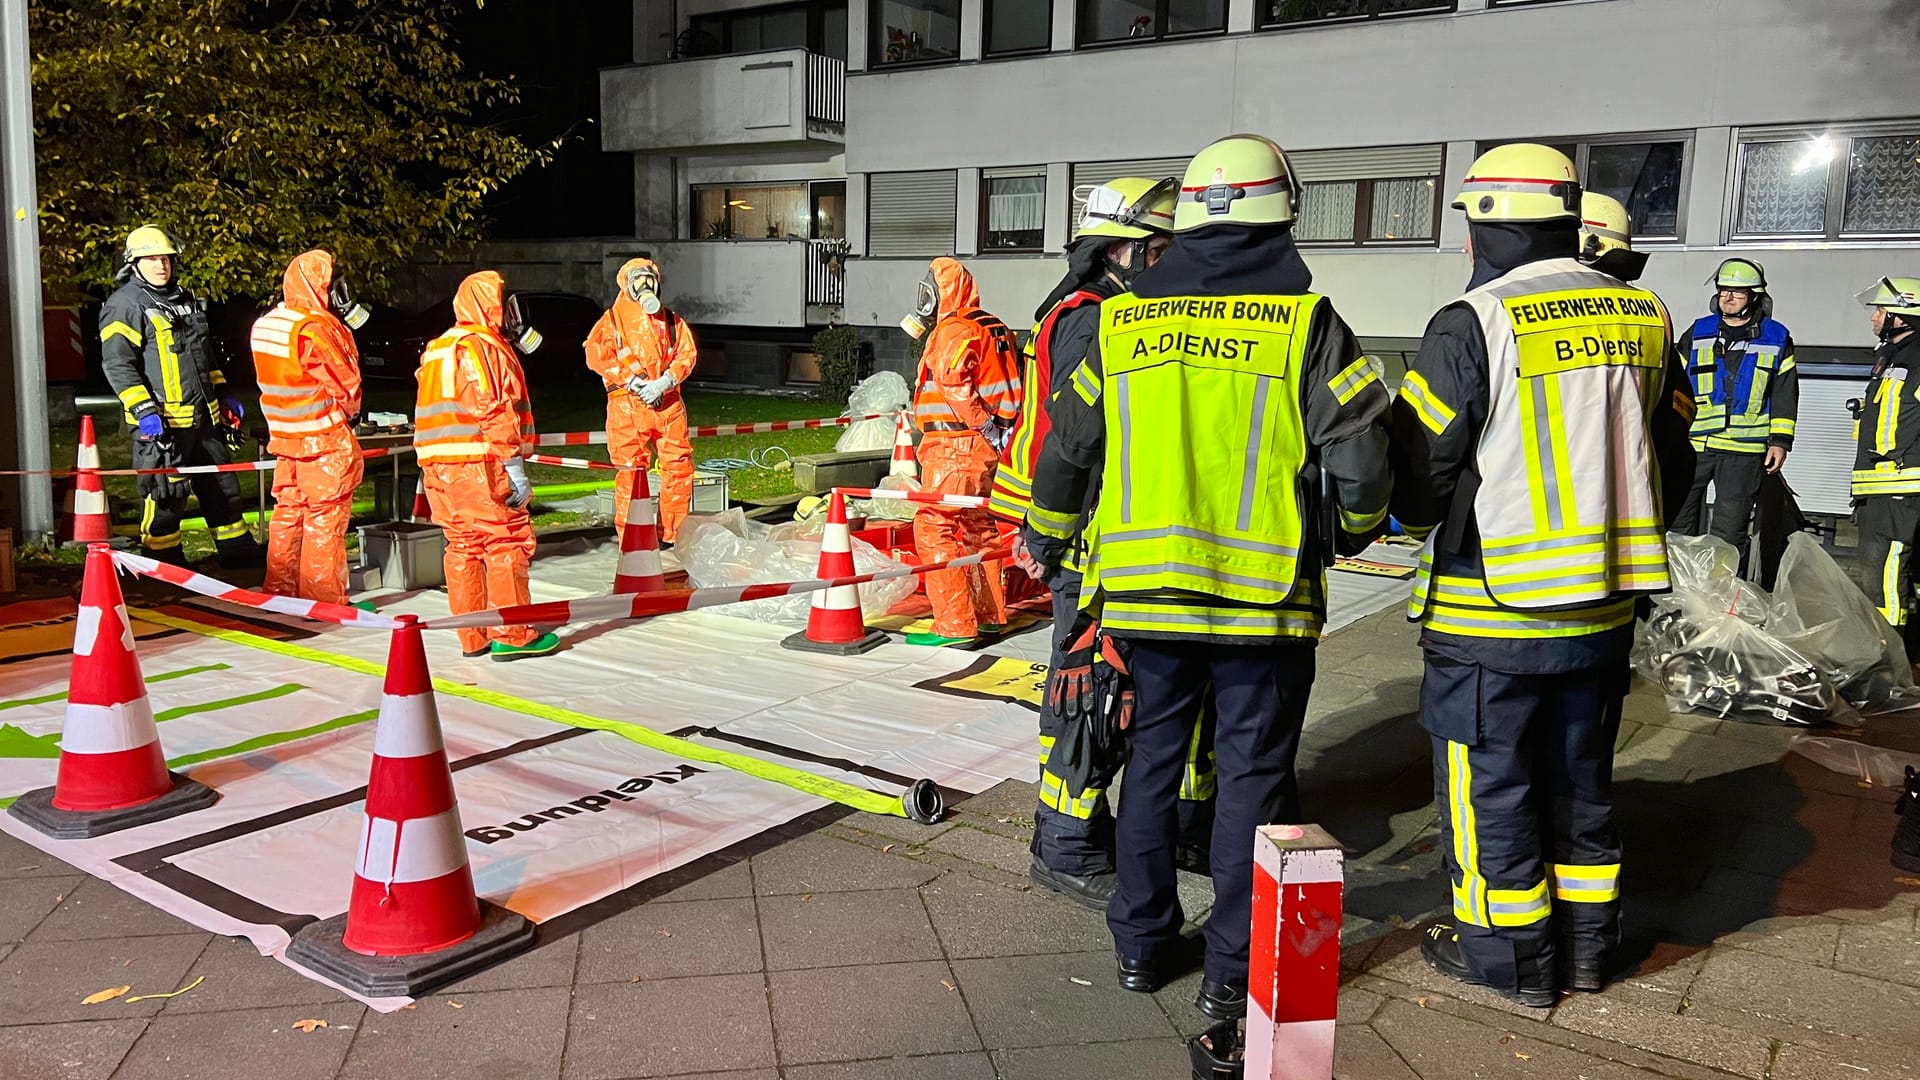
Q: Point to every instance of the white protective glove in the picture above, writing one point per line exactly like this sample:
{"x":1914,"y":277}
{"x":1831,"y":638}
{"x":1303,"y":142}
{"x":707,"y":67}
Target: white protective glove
{"x":996,"y":436}
{"x":652,"y":392}
{"x":522,"y":487}
{"x":635,"y":386}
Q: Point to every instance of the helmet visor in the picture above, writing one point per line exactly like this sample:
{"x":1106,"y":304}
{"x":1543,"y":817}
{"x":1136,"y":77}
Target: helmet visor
{"x":1885,"y":294}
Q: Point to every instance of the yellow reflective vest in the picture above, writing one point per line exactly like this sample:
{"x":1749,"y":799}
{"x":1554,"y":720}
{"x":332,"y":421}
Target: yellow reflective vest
{"x":1199,"y":527}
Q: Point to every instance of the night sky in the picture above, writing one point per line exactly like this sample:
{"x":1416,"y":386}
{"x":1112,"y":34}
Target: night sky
{"x":555,"y":52}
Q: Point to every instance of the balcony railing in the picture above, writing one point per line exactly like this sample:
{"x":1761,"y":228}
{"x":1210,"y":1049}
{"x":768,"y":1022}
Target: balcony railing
{"x":826,"y":272}
{"x":777,"y":98}
{"x":827,"y":90}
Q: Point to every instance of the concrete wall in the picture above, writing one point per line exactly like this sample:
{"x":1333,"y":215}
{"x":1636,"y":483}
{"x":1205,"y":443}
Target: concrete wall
{"x":1687,"y":68}
{"x":752,"y":99}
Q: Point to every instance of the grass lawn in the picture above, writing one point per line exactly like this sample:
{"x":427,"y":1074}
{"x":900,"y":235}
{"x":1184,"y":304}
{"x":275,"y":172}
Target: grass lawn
{"x":572,"y":407}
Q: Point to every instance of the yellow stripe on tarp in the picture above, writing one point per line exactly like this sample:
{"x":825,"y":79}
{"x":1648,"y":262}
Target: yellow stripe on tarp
{"x":872,"y":802}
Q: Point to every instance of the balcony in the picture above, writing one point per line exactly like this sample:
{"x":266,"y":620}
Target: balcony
{"x":778,"y":284}
{"x":781,"y":99}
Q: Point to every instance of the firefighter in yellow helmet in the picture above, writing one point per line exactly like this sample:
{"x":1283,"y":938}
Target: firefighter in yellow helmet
{"x":1125,"y":224}
{"x":1886,"y":469}
{"x":1213,"y":393}
{"x":1606,"y":237}
{"x":1522,"y":456}
{"x":1747,"y":386}
{"x":159,"y":355}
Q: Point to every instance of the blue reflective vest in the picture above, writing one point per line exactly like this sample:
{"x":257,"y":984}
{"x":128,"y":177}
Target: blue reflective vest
{"x":1734,"y":403}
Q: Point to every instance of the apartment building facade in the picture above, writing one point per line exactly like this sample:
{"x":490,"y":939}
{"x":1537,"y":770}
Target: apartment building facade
{"x":1783,"y":130}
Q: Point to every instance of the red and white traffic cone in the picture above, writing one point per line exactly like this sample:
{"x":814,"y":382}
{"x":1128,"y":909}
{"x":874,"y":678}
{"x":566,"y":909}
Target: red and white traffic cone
{"x":412,"y":919}
{"x":639,"y":566}
{"x":112,"y":774}
{"x":904,"y":462}
{"x":834,"y":623}
{"x":90,"y":523}
{"x":422,"y":510}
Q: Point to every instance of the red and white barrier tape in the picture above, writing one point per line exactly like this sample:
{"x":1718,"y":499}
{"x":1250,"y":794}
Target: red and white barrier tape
{"x":599,"y":438}
{"x":576,"y":463}
{"x":612,"y":607}
{"x":930,"y":498}
{"x":264,"y":465}
{"x":337,"y":614}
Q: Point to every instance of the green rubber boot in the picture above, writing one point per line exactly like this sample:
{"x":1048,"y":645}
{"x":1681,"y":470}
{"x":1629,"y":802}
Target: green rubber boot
{"x":544,"y":645}
{"x":936,"y":640}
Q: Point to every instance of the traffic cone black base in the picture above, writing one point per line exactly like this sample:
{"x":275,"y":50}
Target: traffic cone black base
{"x":36,"y":809}
{"x":800,"y":642}
{"x":320,"y":948}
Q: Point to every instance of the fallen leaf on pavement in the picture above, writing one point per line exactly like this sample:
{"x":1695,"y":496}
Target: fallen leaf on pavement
{"x":455,"y":1005}
{"x":635,"y":979}
{"x":1523,"y":1057}
{"x":104,"y":995}
{"x":176,"y":993}
{"x":806,"y":898}
{"x":948,"y":985}
{"x":1909,"y":882}
{"x":409,"y":1005}
{"x":1505,"y":1039}
{"x":886,"y":849}
{"x":1422,"y":1002}
{"x":666,"y":933}
{"x":308,"y":1025}
{"x":1078,"y":982}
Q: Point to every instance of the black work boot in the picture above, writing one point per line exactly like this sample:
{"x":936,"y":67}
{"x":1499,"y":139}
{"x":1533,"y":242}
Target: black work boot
{"x":1091,"y":890}
{"x":1442,"y":952}
{"x":1906,"y":837}
{"x":1586,"y":973}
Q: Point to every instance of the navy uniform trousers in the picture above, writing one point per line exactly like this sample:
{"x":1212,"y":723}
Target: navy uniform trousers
{"x":1259,"y":704}
{"x":1523,"y":779}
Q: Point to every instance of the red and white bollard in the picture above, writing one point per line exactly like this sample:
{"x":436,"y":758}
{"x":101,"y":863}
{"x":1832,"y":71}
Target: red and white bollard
{"x":1293,"y":976}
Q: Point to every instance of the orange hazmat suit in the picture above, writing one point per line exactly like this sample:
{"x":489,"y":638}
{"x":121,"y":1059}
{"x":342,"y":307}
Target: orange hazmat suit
{"x":471,"y":417}
{"x":309,"y":373}
{"x":627,"y":347}
{"x":955,"y":399}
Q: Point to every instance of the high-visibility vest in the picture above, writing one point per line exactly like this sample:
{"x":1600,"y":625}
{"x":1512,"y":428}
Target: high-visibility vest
{"x":996,"y":380}
{"x":1013,"y":481}
{"x":1199,"y":526}
{"x":1732,"y":413}
{"x":1566,"y":509}
{"x":300,"y":413}
{"x":444,"y":427}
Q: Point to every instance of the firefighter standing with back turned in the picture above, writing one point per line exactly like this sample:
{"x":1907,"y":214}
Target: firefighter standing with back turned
{"x":158,"y":352}
{"x":642,"y":351}
{"x":1886,"y":469}
{"x":309,"y":375}
{"x":1125,"y":224}
{"x":966,"y":399}
{"x":1746,"y":389}
{"x":1211,"y":394}
{"x":1525,"y":437}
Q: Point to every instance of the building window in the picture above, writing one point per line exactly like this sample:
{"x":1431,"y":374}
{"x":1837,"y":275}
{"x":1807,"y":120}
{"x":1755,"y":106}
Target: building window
{"x":1303,"y":12}
{"x":1393,"y":211}
{"x":1017,"y":26}
{"x":915,"y":31}
{"x":1647,"y":175}
{"x":818,"y":26}
{"x":1828,"y":185}
{"x":1013,"y":211}
{"x":911,"y":213}
{"x":830,"y":210}
{"x":1374,"y":195}
{"x":751,"y":212}
{"x":1104,"y":22}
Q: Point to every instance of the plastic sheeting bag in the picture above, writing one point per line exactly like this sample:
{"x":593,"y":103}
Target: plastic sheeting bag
{"x":728,"y":549}
{"x":1708,"y":569}
{"x":888,"y":509}
{"x":1712,"y":662}
{"x":1819,"y":612}
{"x":1872,"y":764}
{"x":881,"y":392}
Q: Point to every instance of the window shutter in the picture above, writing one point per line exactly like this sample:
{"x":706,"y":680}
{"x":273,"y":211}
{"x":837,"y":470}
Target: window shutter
{"x":911,"y":213}
{"x":1371,"y":163}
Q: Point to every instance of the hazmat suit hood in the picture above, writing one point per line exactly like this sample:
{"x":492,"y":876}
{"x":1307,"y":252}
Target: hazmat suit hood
{"x":956,"y":287}
{"x":1503,"y":246}
{"x":626,"y":308}
{"x":481,"y":300}
{"x":306,"y":283}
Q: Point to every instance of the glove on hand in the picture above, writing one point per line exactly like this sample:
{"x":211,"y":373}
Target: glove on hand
{"x":522,"y":487}
{"x":150,"y":426}
{"x":652,"y":392}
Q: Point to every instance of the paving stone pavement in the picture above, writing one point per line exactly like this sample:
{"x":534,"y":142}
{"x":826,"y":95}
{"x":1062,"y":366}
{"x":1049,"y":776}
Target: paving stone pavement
{"x":1769,"y":940}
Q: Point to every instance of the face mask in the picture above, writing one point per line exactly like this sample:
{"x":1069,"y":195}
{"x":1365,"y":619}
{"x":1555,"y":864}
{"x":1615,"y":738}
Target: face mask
{"x":925,"y":308}
{"x":643,"y":288}
{"x":525,"y":338}
{"x":351,"y":311}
